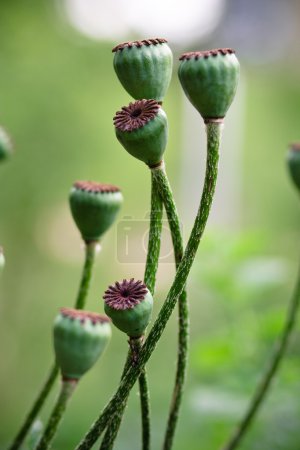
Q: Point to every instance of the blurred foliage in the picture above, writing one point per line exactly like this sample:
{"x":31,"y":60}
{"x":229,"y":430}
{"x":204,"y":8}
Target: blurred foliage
{"x":242,"y":301}
{"x":58,"y":94}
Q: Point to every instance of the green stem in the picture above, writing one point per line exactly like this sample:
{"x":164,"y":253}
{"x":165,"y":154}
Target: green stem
{"x":67,"y":389}
{"x":53,"y":373}
{"x":145,"y":409}
{"x":213,"y":141}
{"x":183,"y":309}
{"x":153,"y":251}
{"x":265,"y":383}
{"x":90,"y":251}
{"x":114,"y":424}
{"x":30,"y":418}
{"x":154,"y":239}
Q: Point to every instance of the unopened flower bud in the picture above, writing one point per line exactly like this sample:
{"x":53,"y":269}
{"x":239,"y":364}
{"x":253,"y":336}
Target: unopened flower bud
{"x":129,"y":305}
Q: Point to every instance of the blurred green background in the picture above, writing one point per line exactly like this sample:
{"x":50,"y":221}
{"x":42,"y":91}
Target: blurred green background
{"x":58,"y":94}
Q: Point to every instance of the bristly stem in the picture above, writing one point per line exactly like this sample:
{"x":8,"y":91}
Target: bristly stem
{"x":183,"y":309}
{"x":90,"y":250}
{"x":145,"y":409}
{"x":67,"y":389}
{"x":213,"y":142}
{"x":154,"y":239}
{"x":153,"y":251}
{"x":274,"y":363}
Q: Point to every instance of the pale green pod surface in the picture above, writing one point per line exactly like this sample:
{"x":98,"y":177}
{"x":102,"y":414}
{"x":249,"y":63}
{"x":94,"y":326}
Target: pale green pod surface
{"x":5,"y":145}
{"x":80,"y":337}
{"x":209,"y":80}
{"x":2,"y":260}
{"x":144,"y":68}
{"x":142,"y":129}
{"x":293,"y":160}
{"x":129,"y":304}
{"x":94,"y":207}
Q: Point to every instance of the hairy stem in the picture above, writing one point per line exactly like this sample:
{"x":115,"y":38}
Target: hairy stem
{"x":149,"y":279}
{"x":274,"y":363}
{"x":67,"y":389}
{"x":213,"y":141}
{"x":53,"y":372}
{"x":183,"y":309}
{"x":90,"y":251}
{"x":154,"y":239}
{"x":145,"y":409}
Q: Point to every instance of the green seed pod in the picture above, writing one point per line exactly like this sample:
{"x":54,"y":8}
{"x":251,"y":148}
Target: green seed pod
{"x":142,"y":129}
{"x":79,"y":339}
{"x":5,"y":145}
{"x":94,"y":207}
{"x":209,"y":80}
{"x":2,"y":259}
{"x":144,"y":68}
{"x":129,"y":305}
{"x":293,"y":160}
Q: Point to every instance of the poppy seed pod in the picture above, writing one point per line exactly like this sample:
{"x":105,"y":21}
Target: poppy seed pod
{"x":2,"y":259}
{"x":293,"y":160}
{"x":94,"y":207}
{"x":79,"y":339}
{"x":5,"y":145}
{"x":129,"y":305}
{"x":142,"y":129}
{"x":209,"y":80}
{"x":144,"y":68}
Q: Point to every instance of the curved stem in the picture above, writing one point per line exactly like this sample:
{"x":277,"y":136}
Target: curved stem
{"x":265,"y":383}
{"x":53,"y":373}
{"x":114,"y":424}
{"x":67,"y":389}
{"x":183,"y":309}
{"x":153,"y":251}
{"x":90,"y":252}
{"x":30,"y":418}
{"x":213,"y":141}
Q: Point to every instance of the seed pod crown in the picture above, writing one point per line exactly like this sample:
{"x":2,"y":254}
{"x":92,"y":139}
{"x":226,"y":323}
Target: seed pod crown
{"x":142,"y":129}
{"x":129,"y":305}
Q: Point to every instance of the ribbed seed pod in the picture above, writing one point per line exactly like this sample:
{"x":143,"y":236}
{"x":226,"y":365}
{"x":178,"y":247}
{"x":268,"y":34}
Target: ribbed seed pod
{"x":6,"y":146}
{"x":80,"y":337}
{"x":144,"y":68}
{"x":94,"y":207}
{"x":209,"y":80}
{"x":142,"y":129}
{"x":2,"y":259}
{"x":129,"y":305}
{"x":293,"y":160}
